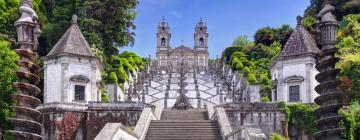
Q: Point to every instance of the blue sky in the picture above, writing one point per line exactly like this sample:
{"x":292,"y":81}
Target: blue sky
{"x":226,"y":19}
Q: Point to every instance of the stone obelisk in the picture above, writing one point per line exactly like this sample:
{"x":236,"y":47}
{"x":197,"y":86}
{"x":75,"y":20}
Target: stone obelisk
{"x":330,"y":99}
{"x":26,"y":123}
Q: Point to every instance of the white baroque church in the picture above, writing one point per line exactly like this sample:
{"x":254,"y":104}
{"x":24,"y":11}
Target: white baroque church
{"x":168,"y":56}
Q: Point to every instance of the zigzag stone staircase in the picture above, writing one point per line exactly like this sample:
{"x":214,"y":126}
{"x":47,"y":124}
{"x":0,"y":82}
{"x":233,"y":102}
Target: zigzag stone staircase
{"x":183,"y":125}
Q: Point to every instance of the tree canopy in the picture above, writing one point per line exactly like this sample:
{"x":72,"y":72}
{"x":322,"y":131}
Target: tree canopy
{"x":7,"y":77}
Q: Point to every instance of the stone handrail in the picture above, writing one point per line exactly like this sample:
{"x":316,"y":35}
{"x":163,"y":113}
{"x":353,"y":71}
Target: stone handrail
{"x":158,"y":109}
{"x":223,"y":121}
{"x":144,"y":122}
{"x":210,"y":110}
{"x":116,"y":131}
{"x":234,"y":135}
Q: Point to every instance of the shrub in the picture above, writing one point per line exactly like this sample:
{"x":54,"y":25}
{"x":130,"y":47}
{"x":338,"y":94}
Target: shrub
{"x":276,"y":136}
{"x":265,"y":99}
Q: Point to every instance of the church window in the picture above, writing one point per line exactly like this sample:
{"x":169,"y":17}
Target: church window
{"x":163,"y":28}
{"x":294,"y":93}
{"x":201,"y":28}
{"x":79,"y":92}
{"x":163,"y":41}
{"x":201,"y":41}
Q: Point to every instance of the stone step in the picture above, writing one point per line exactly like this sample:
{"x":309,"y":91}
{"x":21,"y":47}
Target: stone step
{"x":185,"y":132}
{"x":183,"y":125}
{"x":196,"y":114}
{"x":183,"y":121}
{"x":184,"y":138}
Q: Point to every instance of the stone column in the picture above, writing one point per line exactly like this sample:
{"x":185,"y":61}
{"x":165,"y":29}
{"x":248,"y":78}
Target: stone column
{"x":26,"y":122}
{"x":280,"y":86}
{"x":308,"y":96}
{"x":330,"y":100}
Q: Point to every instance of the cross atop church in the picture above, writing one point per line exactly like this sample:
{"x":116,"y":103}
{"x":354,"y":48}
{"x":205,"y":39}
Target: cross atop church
{"x":182,"y":42}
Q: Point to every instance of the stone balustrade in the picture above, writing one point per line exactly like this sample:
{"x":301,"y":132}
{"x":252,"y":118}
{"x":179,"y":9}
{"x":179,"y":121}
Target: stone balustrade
{"x":223,"y":121}
{"x":116,"y":131}
{"x":143,"y":123}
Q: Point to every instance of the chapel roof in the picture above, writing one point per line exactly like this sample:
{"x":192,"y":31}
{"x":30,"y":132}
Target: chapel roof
{"x":72,"y":42}
{"x":182,"y":49}
{"x":299,"y":43}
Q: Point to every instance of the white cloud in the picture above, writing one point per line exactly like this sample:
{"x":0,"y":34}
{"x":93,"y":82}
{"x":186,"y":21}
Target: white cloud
{"x":175,"y":14}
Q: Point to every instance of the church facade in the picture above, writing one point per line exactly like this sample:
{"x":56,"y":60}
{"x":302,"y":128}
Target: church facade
{"x":170,"y":57}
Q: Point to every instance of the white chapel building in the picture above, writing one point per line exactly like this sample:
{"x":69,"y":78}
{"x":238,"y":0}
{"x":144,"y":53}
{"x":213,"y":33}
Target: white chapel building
{"x":293,"y":72}
{"x":71,"y":70}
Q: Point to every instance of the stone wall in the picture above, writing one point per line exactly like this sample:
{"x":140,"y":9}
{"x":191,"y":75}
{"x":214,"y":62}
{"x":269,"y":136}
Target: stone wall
{"x":266,"y":116}
{"x":64,"y":121}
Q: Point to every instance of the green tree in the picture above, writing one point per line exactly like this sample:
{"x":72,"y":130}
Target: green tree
{"x":265,"y":36}
{"x":351,"y":121}
{"x":309,"y":22}
{"x":349,"y":52}
{"x":242,"y":41}
{"x":103,"y":29}
{"x":283,"y":33}
{"x":9,"y":13}
{"x":342,"y":8}
{"x":7,"y":77}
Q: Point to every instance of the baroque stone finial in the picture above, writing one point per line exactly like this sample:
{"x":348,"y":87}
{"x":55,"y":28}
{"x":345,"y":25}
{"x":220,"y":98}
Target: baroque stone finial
{"x":325,"y":13}
{"x":299,"y":20}
{"x":326,"y":2}
{"x":28,"y":14}
{"x":74,"y":19}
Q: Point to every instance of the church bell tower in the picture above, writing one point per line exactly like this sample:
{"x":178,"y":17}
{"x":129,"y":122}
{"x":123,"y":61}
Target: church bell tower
{"x":163,"y":36}
{"x":201,"y":36}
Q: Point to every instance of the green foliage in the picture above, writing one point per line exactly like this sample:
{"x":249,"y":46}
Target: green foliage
{"x":283,"y":33}
{"x":122,"y":75}
{"x":351,"y":121}
{"x":242,"y":41}
{"x":349,"y":52}
{"x":7,"y":77}
{"x":303,"y":117}
{"x":9,"y":13}
{"x":239,"y":65}
{"x":104,"y":95}
{"x":286,"y":110}
{"x":308,"y":22}
{"x":253,"y":61}
{"x":265,"y":99}
{"x":251,"y":78}
{"x":105,"y":30}
{"x":226,"y":56}
{"x":121,"y":65}
{"x":268,"y":35}
{"x":342,"y":8}
{"x":112,"y":78}
{"x":276,"y":136}
{"x":265,"y":36}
